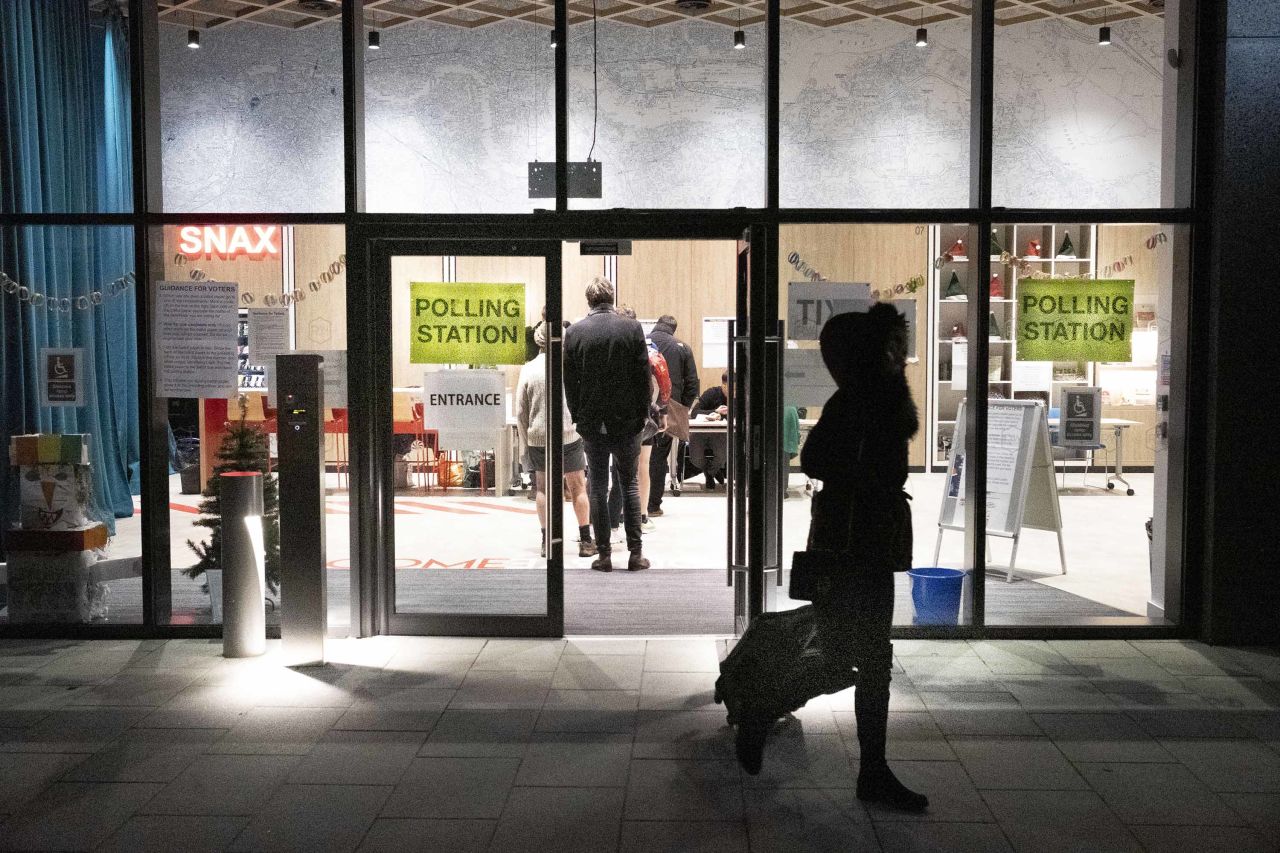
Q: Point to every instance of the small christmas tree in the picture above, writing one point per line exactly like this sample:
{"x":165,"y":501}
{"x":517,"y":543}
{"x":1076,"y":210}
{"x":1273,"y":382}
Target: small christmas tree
{"x":243,"y":448}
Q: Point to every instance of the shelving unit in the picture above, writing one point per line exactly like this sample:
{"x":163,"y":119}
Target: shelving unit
{"x":948,"y":314}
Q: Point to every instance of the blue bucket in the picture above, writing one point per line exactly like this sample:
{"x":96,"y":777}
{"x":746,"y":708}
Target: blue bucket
{"x":935,"y":592}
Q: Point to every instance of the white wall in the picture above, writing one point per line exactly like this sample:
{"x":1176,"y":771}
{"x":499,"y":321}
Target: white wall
{"x":252,"y":121}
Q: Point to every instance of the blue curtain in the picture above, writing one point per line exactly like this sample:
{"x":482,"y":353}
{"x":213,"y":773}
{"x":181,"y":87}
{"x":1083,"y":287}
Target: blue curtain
{"x":65,"y":148}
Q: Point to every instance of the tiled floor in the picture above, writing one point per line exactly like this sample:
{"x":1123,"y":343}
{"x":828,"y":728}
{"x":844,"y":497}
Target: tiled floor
{"x":599,"y":745}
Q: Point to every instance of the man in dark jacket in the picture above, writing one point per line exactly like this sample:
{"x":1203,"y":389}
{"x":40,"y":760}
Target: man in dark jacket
{"x":606,"y":384}
{"x":684,"y":390}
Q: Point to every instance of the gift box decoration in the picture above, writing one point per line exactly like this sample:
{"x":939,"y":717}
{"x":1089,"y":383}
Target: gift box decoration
{"x":58,"y":541}
{"x":49,"y":449}
{"x":46,"y":587}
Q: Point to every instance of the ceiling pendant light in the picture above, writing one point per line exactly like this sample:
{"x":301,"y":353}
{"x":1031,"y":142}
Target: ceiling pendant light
{"x":375,"y":40}
{"x":922,"y":34}
{"x":739,"y":37}
{"x":1104,"y":32}
{"x":193,"y":35}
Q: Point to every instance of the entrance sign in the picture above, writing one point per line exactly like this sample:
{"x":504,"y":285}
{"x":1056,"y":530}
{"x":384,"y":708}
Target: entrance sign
{"x":1075,"y":319}
{"x":1021,"y":489}
{"x":805,"y":379}
{"x":1081,"y":417}
{"x":62,"y":377}
{"x":811,"y":304}
{"x":466,"y":323}
{"x":226,"y":242}
{"x":196,"y":338}
{"x":466,"y":407}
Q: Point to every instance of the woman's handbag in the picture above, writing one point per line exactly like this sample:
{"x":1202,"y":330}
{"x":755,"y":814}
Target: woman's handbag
{"x":678,"y":420}
{"x":812,"y":572}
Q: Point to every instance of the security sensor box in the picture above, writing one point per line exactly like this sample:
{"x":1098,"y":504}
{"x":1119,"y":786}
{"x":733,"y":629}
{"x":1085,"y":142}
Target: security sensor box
{"x":299,"y":381}
{"x":585,"y":179}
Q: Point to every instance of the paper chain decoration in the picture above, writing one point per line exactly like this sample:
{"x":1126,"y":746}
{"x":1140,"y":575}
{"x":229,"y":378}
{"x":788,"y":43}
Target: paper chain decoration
{"x":65,"y":304}
{"x":298,"y":295}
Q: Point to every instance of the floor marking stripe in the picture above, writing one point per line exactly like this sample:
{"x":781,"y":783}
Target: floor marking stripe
{"x":438,"y":508}
{"x":500,"y":508}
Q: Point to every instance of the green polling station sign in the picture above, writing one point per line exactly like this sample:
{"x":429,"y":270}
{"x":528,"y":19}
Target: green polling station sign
{"x":1073,"y":319}
{"x":466,"y":323}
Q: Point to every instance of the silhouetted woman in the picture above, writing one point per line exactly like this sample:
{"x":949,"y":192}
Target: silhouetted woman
{"x":858,"y":449}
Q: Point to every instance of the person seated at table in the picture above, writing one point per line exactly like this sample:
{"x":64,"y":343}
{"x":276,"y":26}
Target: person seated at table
{"x":707,"y":451}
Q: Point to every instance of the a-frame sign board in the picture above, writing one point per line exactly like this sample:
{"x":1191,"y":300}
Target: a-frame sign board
{"x":1021,"y":489}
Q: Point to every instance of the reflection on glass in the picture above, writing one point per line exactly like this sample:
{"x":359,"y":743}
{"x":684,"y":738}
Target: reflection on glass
{"x":870,"y":119}
{"x":889,"y":263}
{"x":289,"y":296}
{"x":65,"y":138}
{"x":673,"y":113}
{"x":252,"y":120}
{"x":1087,"y":306}
{"x":466,"y":524}
{"x":454,"y":115}
{"x":70,"y":533}
{"x":1079,"y":123}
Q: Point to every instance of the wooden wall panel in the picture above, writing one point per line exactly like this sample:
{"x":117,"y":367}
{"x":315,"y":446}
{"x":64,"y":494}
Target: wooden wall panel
{"x":256,"y":277}
{"x":688,"y":279}
{"x":881,"y":255}
{"x":321,"y":317}
{"x":576,"y":270}
{"x":1117,"y":242}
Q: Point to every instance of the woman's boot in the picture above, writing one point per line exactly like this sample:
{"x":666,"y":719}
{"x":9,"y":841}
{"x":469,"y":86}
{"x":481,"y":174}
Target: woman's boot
{"x":748,"y":743}
{"x":876,"y":782}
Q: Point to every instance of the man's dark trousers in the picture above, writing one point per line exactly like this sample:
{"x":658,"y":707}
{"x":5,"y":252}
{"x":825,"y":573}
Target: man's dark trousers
{"x":658,"y":470}
{"x":625,"y":450}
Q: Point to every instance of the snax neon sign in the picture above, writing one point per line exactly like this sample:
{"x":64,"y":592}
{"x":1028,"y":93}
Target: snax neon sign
{"x":229,"y":241}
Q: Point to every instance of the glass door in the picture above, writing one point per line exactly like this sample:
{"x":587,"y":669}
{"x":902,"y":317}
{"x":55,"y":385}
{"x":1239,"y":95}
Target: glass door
{"x":755,"y":489}
{"x":470,"y":403}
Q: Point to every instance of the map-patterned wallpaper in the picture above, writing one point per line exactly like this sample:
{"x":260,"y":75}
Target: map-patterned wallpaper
{"x":253,"y":120}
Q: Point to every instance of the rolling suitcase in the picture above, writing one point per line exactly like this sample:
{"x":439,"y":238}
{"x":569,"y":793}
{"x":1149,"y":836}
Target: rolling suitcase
{"x":776,"y":667}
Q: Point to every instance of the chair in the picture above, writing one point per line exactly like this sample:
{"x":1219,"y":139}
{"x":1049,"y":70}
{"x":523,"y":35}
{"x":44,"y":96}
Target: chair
{"x":338,"y":425}
{"x":426,"y":451}
{"x":1055,"y":440}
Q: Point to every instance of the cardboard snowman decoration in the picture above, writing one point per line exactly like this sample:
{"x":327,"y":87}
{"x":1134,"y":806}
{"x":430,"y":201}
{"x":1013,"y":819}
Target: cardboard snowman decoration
{"x":56,"y":542}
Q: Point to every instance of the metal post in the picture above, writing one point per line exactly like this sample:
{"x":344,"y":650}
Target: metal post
{"x":304,"y":617}
{"x":244,"y":565}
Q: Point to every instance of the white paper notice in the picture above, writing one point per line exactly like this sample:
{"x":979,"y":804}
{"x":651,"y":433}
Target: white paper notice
{"x":1004,"y":443}
{"x":196,"y":338}
{"x":1033,"y":376}
{"x":805,"y":379}
{"x":268,"y":334}
{"x":715,"y":341}
{"x":959,"y":365}
{"x":465,"y":407}
{"x":335,"y":375}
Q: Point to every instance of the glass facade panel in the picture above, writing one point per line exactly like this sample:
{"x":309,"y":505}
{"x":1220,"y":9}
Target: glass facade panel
{"x":869,"y":117}
{"x":251,"y":119}
{"x":289,"y":296}
{"x":861,"y":263}
{"x":1079,"y":123}
{"x":455,"y":114}
{"x":65,"y":141}
{"x":673,"y":114}
{"x":70,"y":485}
{"x":465,"y":537}
{"x":1088,"y":320}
